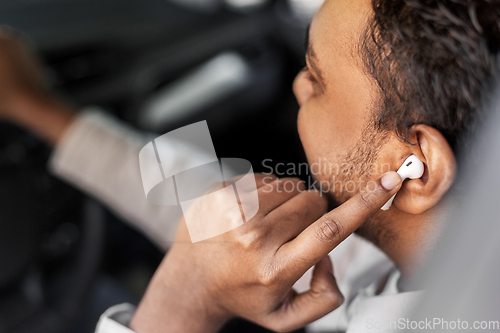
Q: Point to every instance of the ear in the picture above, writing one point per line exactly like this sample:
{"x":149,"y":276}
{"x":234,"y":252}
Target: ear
{"x":419,"y":195}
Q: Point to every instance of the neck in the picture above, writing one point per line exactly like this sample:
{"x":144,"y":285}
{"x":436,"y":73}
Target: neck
{"x":406,"y":238}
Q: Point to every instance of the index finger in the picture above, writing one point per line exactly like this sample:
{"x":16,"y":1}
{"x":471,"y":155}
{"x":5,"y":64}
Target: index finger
{"x":321,"y":237}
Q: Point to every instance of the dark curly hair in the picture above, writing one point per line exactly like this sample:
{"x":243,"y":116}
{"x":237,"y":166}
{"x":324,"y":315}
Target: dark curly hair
{"x":433,"y":61}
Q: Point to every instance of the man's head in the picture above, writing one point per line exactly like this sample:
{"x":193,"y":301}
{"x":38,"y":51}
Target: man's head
{"x":388,"y":79}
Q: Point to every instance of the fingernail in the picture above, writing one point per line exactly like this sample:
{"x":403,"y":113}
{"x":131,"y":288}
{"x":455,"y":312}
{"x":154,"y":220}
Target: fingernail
{"x":391,"y":180}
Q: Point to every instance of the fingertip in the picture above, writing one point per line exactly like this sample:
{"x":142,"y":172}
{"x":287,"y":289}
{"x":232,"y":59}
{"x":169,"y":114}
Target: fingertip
{"x":391,"y":181}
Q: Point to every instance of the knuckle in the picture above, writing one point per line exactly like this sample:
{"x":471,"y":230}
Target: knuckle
{"x":330,"y":230}
{"x":328,"y":296}
{"x":332,"y":299}
{"x":269,"y":277}
{"x":249,"y":240}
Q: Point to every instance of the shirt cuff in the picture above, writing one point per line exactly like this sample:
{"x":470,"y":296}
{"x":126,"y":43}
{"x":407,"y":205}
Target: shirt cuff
{"x":85,"y":137}
{"x":116,"y":319}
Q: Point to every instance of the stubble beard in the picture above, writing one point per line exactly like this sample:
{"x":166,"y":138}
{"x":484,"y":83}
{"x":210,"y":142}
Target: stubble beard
{"x":360,"y":159}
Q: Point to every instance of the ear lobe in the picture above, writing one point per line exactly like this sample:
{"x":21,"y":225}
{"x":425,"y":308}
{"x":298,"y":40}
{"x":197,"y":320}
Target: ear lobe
{"x":419,"y":195}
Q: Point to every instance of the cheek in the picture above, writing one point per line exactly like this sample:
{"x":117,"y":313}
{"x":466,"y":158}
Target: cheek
{"x":316,"y":132}
{"x":304,"y":127}
{"x":328,"y":130}
{"x":320,"y":144}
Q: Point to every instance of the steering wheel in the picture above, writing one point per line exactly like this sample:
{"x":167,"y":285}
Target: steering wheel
{"x":51,"y":239}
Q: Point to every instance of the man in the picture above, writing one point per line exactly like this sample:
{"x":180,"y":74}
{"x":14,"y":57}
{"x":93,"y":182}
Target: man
{"x":384,"y":80}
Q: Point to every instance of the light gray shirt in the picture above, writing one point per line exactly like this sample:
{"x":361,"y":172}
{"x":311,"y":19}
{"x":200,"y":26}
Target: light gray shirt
{"x":100,"y":155}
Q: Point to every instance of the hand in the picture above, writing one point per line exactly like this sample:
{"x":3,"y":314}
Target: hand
{"x":21,"y":74}
{"x":249,"y":272}
{"x":24,"y":97}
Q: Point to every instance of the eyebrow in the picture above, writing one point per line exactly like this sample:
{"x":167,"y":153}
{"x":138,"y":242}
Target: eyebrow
{"x":311,"y":57}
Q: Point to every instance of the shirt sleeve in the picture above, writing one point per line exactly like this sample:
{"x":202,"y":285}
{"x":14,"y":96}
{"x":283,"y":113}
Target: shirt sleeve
{"x":116,"y":319}
{"x":100,"y":155}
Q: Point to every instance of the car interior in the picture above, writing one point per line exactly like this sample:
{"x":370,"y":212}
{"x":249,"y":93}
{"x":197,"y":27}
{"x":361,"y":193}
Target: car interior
{"x":158,"y":65}
{"x":65,"y":258}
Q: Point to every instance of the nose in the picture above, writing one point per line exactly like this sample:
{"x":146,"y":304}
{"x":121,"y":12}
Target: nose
{"x":302,"y":88}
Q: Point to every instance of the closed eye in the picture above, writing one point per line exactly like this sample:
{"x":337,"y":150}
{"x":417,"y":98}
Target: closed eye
{"x":312,"y":79}
{"x":309,"y":75}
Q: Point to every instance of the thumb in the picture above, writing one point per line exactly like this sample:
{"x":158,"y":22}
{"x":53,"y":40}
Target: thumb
{"x":322,"y":298}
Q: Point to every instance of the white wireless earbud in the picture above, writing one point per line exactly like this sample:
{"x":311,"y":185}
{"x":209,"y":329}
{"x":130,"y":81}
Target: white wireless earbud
{"x":412,"y":168}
